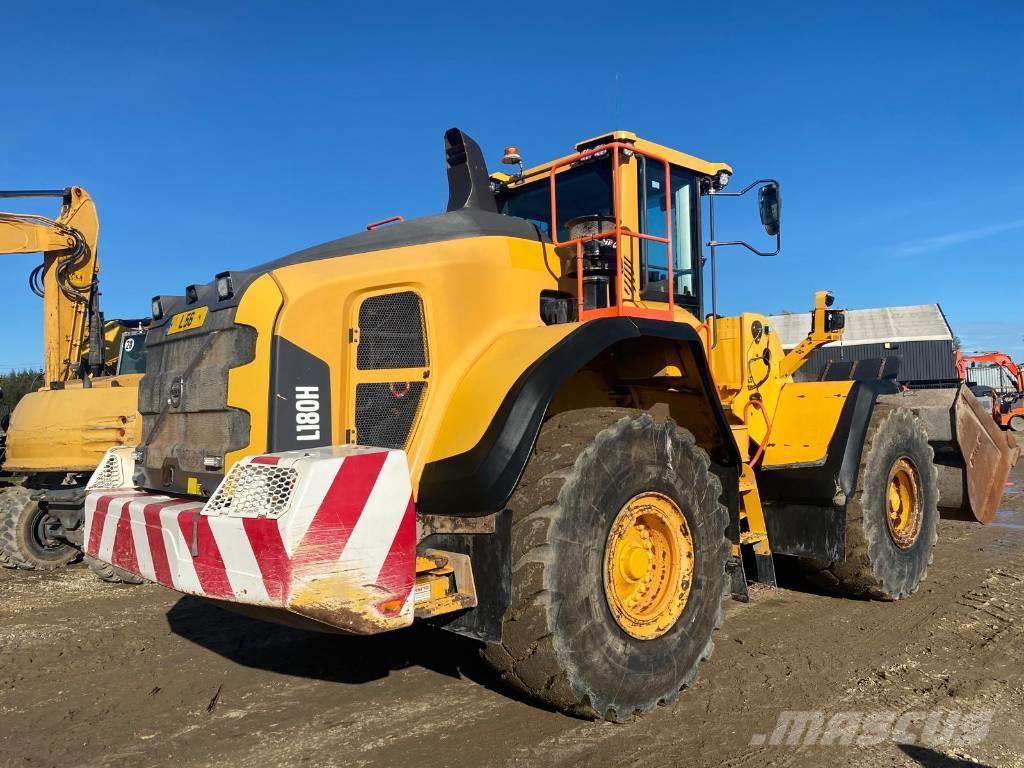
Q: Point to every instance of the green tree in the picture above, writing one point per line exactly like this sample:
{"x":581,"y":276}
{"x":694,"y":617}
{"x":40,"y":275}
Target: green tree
{"x":16,"y":384}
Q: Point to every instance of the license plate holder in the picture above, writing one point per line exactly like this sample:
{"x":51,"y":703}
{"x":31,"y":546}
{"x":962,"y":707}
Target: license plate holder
{"x":188,"y":320}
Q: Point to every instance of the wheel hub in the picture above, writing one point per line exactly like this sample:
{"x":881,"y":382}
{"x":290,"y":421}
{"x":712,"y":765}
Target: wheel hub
{"x":648,"y":565}
{"x":46,"y":529}
{"x":903,"y":503}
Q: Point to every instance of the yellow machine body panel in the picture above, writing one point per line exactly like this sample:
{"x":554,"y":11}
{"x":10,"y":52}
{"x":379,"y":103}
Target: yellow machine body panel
{"x":805,"y":420}
{"x":479,"y":298}
{"x":247,"y":384}
{"x":69,"y":429}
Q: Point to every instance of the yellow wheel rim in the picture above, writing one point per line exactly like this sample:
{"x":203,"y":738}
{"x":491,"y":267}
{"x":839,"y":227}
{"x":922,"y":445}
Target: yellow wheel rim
{"x":903,"y":504}
{"x":648,"y":565}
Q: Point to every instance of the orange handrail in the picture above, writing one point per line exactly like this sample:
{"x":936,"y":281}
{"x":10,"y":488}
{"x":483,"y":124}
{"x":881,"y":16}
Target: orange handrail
{"x":618,"y":233}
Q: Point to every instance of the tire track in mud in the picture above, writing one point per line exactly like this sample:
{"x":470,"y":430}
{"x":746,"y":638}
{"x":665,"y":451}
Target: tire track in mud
{"x":984,"y":622}
{"x":816,"y":652}
{"x":101,"y":675}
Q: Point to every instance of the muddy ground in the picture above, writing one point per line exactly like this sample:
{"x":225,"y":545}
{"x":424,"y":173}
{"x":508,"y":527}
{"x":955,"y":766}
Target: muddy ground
{"x":100,"y":675}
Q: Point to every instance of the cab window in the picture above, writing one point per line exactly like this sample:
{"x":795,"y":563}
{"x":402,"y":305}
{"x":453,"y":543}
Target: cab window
{"x":581,"y":191}
{"x":685,"y":198}
{"x":133,"y":354}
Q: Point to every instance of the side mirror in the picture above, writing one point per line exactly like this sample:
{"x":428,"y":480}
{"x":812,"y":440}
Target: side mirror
{"x":770,"y":205}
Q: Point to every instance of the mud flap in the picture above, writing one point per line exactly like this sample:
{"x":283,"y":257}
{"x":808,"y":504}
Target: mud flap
{"x":737,"y":579}
{"x":973,"y":455}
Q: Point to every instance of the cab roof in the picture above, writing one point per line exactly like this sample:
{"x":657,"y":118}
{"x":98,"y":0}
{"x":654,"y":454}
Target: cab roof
{"x":695,"y":164}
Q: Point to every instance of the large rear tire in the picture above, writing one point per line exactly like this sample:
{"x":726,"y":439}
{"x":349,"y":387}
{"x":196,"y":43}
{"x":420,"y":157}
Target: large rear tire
{"x":618,"y":565}
{"x":29,"y":536}
{"x":892,"y":517}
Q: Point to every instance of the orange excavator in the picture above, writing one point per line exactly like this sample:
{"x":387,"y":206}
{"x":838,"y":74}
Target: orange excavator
{"x":1007,"y":401}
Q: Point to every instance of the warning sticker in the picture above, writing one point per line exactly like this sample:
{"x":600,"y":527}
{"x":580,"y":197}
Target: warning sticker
{"x":422,"y":593}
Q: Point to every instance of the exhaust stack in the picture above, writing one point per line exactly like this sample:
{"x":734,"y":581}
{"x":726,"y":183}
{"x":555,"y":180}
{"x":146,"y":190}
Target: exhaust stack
{"x":469,"y":186}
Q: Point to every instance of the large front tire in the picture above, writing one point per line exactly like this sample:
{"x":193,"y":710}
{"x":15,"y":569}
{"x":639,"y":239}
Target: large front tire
{"x":29,"y":536}
{"x":573,"y":638}
{"x":892,"y":517}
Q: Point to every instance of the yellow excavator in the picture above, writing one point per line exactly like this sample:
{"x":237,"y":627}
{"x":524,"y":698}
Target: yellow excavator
{"x":522,"y":420}
{"x":87,"y":401}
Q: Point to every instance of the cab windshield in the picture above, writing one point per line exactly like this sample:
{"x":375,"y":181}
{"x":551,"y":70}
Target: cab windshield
{"x":580,"y":191}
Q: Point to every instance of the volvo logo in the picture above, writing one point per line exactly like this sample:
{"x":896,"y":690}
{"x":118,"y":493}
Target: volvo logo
{"x":177,"y":386}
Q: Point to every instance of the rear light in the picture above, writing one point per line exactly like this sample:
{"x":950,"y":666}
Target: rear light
{"x":157,"y":307}
{"x":191,"y":295}
{"x":225,"y":286}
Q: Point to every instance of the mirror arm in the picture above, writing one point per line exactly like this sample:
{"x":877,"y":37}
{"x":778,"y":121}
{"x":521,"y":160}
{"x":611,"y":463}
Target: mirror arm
{"x":745,"y":189}
{"x":713,"y":244}
{"x":749,"y":247}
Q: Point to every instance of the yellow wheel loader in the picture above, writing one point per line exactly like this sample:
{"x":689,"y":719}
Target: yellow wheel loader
{"x":87,"y":404}
{"x":515,"y":421}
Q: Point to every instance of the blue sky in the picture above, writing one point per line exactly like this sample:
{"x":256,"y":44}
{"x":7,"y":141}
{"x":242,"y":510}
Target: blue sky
{"x":220,"y":135}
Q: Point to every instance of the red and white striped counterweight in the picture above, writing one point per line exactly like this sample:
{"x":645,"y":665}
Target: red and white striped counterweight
{"x":327,"y":533}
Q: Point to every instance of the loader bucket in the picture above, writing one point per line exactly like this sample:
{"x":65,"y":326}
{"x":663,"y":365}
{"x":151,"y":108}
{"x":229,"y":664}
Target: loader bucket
{"x":973,"y":455}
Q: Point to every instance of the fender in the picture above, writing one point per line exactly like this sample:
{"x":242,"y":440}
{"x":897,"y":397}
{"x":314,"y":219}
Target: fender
{"x":821,"y":483}
{"x":805,"y":506}
{"x":482,"y":479}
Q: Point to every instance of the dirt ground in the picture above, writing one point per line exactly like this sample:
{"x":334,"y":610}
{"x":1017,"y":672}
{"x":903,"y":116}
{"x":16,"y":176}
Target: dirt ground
{"x":100,"y":675}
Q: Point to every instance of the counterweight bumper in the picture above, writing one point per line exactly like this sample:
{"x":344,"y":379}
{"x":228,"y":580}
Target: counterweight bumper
{"x":327,"y":534}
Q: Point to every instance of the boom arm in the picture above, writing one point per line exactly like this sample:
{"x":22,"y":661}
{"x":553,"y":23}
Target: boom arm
{"x":66,"y":279}
{"x":996,"y":358}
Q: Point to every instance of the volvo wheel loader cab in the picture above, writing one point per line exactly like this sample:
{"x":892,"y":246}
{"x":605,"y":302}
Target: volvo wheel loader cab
{"x":511,"y":421}
{"x":88,"y":398}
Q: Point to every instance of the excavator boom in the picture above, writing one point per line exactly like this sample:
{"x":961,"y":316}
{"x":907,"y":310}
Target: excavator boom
{"x":66,"y":279}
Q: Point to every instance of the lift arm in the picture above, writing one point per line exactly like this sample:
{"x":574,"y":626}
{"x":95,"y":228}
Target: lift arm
{"x":66,"y":280}
{"x":826,"y":326}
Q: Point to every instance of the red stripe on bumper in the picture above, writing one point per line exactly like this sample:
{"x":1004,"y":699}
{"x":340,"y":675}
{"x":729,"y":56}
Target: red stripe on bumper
{"x":395,"y":575}
{"x":123,"y":553}
{"x":275,"y":565}
{"x":327,"y":535}
{"x":99,"y":518}
{"x":209,"y":565}
{"x":157,"y":548}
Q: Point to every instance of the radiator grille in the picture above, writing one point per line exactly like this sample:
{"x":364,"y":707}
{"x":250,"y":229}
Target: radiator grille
{"x":386,"y":412}
{"x":253,"y":490}
{"x":108,"y":474}
{"x":391,"y":332}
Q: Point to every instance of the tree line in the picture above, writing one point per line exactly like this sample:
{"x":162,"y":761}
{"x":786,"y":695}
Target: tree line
{"x":16,"y":384}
